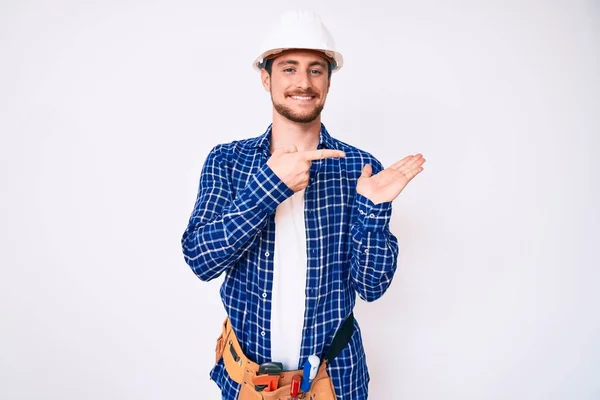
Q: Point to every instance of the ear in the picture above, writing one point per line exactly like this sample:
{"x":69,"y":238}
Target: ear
{"x":266,"y":79}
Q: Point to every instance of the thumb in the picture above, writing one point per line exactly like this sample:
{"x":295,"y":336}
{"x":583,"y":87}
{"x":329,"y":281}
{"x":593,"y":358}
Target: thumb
{"x":367,"y":171}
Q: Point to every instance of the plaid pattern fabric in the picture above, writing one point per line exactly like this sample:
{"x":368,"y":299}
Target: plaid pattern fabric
{"x":350,"y":250}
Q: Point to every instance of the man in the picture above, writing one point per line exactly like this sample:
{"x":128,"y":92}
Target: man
{"x":299,"y":223}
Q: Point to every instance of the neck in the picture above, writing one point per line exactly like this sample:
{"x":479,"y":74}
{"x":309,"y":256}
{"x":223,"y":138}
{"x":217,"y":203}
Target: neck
{"x":284,"y":133}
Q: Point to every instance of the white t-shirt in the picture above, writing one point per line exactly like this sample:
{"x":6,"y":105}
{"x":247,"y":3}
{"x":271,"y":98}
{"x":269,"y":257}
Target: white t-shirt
{"x":289,"y":282}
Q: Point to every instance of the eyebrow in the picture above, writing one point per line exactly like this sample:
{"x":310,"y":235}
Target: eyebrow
{"x":294,"y":62}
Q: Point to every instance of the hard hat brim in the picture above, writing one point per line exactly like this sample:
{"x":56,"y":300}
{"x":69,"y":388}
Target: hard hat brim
{"x":333,"y":56}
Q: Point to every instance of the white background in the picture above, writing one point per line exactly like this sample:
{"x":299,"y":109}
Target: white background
{"x":107,"y":112}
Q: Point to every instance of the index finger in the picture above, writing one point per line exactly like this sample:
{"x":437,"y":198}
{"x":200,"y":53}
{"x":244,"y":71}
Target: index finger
{"x":321,"y":154}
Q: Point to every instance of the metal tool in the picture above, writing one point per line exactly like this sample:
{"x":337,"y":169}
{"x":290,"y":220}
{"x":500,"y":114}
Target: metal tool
{"x":235,"y":356}
{"x":267,"y":378}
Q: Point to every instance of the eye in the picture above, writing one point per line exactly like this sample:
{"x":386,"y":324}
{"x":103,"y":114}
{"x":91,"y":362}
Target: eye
{"x":316,"y":71}
{"x":288,"y":70}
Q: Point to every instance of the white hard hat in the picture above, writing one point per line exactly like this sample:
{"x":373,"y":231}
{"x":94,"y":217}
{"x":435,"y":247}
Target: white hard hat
{"x":299,"y":29}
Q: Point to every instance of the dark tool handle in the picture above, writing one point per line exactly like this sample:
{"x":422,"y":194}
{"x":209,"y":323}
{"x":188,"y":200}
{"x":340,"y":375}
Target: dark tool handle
{"x":270,"y":368}
{"x":233,"y":353}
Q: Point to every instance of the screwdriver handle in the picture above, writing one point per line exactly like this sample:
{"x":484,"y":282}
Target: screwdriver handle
{"x":311,"y":366}
{"x":295,"y":386}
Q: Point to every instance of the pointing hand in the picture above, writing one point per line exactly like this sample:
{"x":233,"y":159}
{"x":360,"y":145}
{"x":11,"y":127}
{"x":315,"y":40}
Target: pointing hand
{"x":292,"y":166}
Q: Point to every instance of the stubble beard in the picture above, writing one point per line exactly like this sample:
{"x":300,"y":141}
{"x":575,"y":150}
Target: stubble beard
{"x":288,"y":113}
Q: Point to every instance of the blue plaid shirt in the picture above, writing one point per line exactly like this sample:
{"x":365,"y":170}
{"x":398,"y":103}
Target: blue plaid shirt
{"x":349,"y":250}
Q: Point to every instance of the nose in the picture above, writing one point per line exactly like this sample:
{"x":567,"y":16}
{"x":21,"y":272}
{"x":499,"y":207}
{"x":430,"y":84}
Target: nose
{"x":303,"y":82}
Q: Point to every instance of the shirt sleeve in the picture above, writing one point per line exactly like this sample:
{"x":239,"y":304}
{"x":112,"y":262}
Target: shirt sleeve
{"x":222,"y":228}
{"x":374,"y":247}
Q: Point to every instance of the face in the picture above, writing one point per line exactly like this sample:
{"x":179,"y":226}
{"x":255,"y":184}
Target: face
{"x":298,"y":84}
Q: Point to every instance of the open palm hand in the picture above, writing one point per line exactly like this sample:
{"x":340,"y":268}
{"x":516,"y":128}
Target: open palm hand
{"x":389,"y":183}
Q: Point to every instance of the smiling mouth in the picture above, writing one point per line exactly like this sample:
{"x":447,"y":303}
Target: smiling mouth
{"x":302,"y":98}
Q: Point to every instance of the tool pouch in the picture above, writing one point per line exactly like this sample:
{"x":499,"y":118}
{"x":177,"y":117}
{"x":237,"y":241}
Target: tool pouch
{"x":242,"y":370}
{"x":228,"y":347}
{"x":321,"y":389}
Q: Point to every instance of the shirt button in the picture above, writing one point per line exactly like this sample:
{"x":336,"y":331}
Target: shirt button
{"x":267,"y":254}
{"x":372,"y":215}
{"x":262,"y":333}
{"x":264,"y":295}
{"x":366,"y":251}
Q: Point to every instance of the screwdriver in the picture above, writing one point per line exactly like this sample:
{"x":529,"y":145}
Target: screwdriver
{"x":311,"y":366}
{"x":295,"y":387}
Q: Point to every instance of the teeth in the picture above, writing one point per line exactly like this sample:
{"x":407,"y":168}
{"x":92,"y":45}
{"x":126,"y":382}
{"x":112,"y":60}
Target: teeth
{"x":301,"y":97}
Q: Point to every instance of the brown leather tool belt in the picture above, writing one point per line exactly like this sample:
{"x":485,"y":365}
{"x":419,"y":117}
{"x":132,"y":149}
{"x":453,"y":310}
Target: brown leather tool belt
{"x":245,"y":372}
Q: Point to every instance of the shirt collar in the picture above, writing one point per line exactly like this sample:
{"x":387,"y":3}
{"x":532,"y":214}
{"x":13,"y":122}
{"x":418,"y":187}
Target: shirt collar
{"x":264,"y":141}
